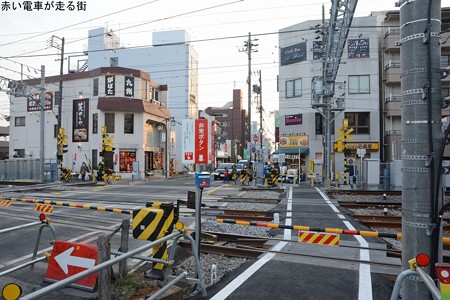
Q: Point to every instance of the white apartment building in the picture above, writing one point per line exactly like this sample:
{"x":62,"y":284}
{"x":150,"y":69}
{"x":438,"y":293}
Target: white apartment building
{"x":170,"y":59}
{"x":121,"y":99}
{"x":301,"y":126}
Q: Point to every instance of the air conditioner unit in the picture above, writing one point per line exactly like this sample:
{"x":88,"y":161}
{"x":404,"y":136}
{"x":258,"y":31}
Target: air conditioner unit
{"x":157,"y":102}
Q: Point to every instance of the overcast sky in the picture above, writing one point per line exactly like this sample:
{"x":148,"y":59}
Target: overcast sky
{"x":218,"y":30}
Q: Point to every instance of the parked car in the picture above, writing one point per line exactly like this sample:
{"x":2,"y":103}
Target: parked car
{"x":218,"y":173}
{"x":244,"y":162}
{"x":239,"y":168}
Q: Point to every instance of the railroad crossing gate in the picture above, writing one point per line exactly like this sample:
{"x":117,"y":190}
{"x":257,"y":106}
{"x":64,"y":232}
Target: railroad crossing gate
{"x":310,"y":237}
{"x":70,"y":258}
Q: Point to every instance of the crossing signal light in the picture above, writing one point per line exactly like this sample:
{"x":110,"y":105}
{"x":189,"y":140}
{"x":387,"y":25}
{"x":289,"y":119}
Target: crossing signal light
{"x":64,"y":149}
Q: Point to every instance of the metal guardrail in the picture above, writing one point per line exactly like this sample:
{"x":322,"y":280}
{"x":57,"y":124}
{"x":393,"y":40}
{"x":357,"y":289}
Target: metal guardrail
{"x":426,"y":280}
{"x":63,"y":283}
{"x":44,"y":224}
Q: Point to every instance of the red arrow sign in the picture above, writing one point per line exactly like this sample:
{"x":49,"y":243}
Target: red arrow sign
{"x":70,"y":258}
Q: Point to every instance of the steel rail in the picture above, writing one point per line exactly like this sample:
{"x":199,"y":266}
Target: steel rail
{"x":250,"y":252}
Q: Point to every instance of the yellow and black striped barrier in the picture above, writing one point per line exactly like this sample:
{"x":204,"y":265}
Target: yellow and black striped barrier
{"x":5,"y":203}
{"x":318,"y":229}
{"x":244,"y":177}
{"x":65,"y":174}
{"x":151,"y":223}
{"x":69,"y":204}
{"x":43,"y":208}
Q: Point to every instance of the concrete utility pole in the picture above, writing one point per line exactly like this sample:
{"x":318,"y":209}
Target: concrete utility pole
{"x":257,"y":89}
{"x":248,"y":47}
{"x":59,"y":46}
{"x":261,"y":130}
{"x":421,"y":133}
{"x":42,"y":124}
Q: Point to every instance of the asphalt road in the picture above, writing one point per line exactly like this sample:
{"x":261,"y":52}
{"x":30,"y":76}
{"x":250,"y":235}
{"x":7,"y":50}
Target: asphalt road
{"x":77,"y":224}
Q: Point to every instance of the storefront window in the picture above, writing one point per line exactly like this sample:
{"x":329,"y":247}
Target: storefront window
{"x":126,"y":160}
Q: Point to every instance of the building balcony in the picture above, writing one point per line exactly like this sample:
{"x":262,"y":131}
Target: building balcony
{"x":445,"y":40}
{"x":392,"y":73}
{"x":392,"y":106}
{"x":390,"y":38}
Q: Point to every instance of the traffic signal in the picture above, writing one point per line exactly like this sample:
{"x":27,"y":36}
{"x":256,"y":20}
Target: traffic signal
{"x":62,"y":144}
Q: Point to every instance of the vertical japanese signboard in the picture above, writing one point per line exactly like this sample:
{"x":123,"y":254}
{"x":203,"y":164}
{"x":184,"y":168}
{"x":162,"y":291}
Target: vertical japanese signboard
{"x":198,"y":141}
{"x":129,"y":86}
{"x":188,"y":145}
{"x":80,"y":120}
{"x":110,"y":85}
{"x":212,"y":148}
{"x":201,"y":141}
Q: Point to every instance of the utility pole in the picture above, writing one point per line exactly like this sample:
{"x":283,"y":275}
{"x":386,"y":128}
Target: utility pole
{"x":258,"y":90}
{"x":59,"y":46}
{"x":261,"y":130}
{"x":248,"y":47}
{"x":421,"y":136}
{"x":42,"y":125}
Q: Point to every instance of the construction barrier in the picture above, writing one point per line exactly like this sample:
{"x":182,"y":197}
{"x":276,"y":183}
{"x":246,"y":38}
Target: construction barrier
{"x":318,"y":238}
{"x":43,"y":208}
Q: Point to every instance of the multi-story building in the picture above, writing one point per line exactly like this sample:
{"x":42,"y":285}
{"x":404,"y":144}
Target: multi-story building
{"x":231,"y":121}
{"x":301,"y":128}
{"x":391,"y":125}
{"x":170,"y":60}
{"x":121,"y":99}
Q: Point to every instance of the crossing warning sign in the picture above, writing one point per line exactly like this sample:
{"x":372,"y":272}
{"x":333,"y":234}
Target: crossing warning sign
{"x":70,"y":258}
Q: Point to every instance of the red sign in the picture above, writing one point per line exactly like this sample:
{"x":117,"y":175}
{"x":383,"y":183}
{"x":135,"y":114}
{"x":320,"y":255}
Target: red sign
{"x":212,"y":146}
{"x":256,"y":138}
{"x":70,"y":258}
{"x":188,"y":155}
{"x":201,"y":141}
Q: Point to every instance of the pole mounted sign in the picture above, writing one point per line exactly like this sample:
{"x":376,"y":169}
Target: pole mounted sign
{"x":197,"y":143}
{"x":70,"y":258}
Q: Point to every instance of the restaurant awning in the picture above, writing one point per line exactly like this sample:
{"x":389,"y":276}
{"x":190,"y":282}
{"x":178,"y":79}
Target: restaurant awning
{"x":292,"y":151}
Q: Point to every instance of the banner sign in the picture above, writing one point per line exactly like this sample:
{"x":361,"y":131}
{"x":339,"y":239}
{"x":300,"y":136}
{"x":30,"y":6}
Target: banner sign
{"x":358,"y":48}
{"x":293,"y":54}
{"x":201,"y":141}
{"x":33,"y":102}
{"x":197,"y":146}
{"x":293,"y":119}
{"x":188,"y":142}
{"x":129,"y":86}
{"x":294,"y":141}
{"x":212,"y":146}
{"x":80,"y":120}
{"x":317,"y":50}
{"x":110,"y":85}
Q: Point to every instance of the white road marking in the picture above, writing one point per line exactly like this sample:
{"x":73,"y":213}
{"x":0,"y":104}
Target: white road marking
{"x":238,"y":281}
{"x":365,"y":278}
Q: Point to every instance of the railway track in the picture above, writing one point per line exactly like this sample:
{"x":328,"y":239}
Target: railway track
{"x":244,"y":215}
{"x":353,"y":204}
{"x":253,"y":247}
